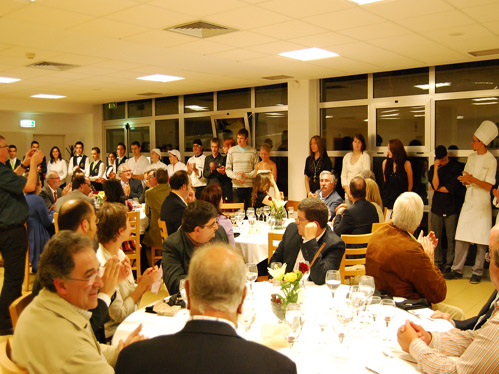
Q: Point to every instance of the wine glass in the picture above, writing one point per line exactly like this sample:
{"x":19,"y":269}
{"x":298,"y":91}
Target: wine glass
{"x":240,"y":217}
{"x":251,"y":220}
{"x":357,"y":298}
{"x":266,"y":211}
{"x":259,"y":212}
{"x":294,"y":321}
{"x":275,"y":265}
{"x":252,"y":274}
{"x":344,"y":315}
{"x":374,"y":306}
{"x":333,"y":280}
{"x":247,"y":316}
{"x":250,"y":211}
{"x":388,"y":310}
{"x":366,"y":284}
{"x":181,"y":289}
{"x":291,"y":212}
{"x":307,"y":273}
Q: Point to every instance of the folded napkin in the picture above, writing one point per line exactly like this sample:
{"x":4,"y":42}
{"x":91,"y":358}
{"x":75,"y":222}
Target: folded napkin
{"x":163,"y":309}
{"x":274,"y":335}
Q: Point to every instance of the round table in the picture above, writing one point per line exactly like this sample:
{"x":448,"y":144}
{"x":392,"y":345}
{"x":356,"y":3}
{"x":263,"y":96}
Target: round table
{"x":367,"y":348}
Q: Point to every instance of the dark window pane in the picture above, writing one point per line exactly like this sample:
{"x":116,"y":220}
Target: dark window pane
{"x":276,"y":94}
{"x":198,"y":103}
{"x":197,"y":128}
{"x":344,"y":88}
{"x":457,"y":120}
{"x":482,"y":75}
{"x":166,"y":105}
{"x":402,"y":82}
{"x":113,"y":111}
{"x":338,"y":125}
{"x":282,"y":174}
{"x":234,"y":99}
{"x":113,"y":137}
{"x":271,"y":128}
{"x":141,"y":135}
{"x":140,"y":108}
{"x":167,"y":134}
{"x":227,"y":128}
{"x":404,"y":123}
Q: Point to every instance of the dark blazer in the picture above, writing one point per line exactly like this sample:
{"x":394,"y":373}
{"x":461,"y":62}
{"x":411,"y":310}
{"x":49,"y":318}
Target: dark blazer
{"x":48,"y":197}
{"x":329,"y":259}
{"x":136,"y":188}
{"x":357,"y":219}
{"x":118,"y":163}
{"x":177,"y":252}
{"x":16,"y":164}
{"x":469,"y":324}
{"x":172,"y":211}
{"x":202,"y":347}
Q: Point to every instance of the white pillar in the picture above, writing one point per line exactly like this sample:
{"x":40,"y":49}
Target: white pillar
{"x":303,"y":123}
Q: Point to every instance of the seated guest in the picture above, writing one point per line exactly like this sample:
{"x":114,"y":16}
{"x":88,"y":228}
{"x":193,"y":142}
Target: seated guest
{"x":115,"y":194}
{"x":155,"y":196}
{"x":39,"y":222}
{"x":360,"y":216}
{"x":261,"y":188}
{"x":53,"y":333}
{"x":213,"y":194}
{"x":199,"y":226}
{"x":51,"y":191}
{"x":174,"y":205}
{"x":209,"y":342}
{"x":457,"y":351}
{"x":374,"y":197}
{"x":131,"y":186}
{"x":327,"y":193}
{"x":113,"y":228}
{"x":303,"y":239}
{"x":80,"y":189}
{"x":400,"y":264}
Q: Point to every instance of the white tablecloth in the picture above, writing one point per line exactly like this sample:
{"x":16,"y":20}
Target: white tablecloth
{"x":366,"y":345}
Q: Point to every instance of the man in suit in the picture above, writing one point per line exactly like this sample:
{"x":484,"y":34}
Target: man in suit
{"x":174,"y":205}
{"x":42,"y":167}
{"x":13,"y":161}
{"x":327,"y":193}
{"x":360,"y":216}
{"x":51,"y":191}
{"x":81,"y":188}
{"x":121,"y":153}
{"x":53,"y":331}
{"x":79,"y":161}
{"x":209,"y":342}
{"x":132,"y":187}
{"x":199,"y":226}
{"x":303,"y":240}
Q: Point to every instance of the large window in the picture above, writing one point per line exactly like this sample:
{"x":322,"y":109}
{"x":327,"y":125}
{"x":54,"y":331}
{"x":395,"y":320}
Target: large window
{"x":234,"y":99}
{"x":401,"y":83}
{"x":344,"y":88}
{"x":276,"y":94}
{"x":140,"y":108}
{"x":166,"y":105}
{"x":141,"y":135}
{"x":113,"y":111}
{"x":271,"y":128}
{"x":197,"y":128}
{"x":482,"y":75}
{"x":338,"y":125}
{"x":404,"y":123}
{"x":198,"y":103}
{"x":167,"y":134}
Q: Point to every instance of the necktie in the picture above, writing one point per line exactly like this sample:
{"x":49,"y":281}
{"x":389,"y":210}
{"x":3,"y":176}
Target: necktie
{"x":55,"y":196}
{"x":12,"y":164}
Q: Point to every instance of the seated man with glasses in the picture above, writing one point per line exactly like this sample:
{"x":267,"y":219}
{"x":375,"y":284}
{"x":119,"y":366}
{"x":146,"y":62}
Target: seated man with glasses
{"x":81,"y":189}
{"x":199,"y":226}
{"x":53,"y":333}
{"x":311,"y":239}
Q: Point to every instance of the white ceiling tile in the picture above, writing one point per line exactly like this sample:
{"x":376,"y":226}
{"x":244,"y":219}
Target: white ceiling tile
{"x":484,"y":13}
{"x":379,"y":30}
{"x":322,"y":40}
{"x":43,"y":16}
{"x":9,"y":6}
{"x":436,"y":21}
{"x":288,"y":30}
{"x":463,"y":4}
{"x":108,"y":28}
{"x":401,"y":9}
{"x":95,"y":8}
{"x":203,"y":47}
{"x":465,"y":39}
{"x":159,"y":38}
{"x":300,"y":8}
{"x":492,"y":26}
{"x":247,"y":18}
{"x":152,"y":16}
{"x":243,"y":39}
{"x":239,"y":54}
{"x":337,"y":21}
{"x":276,"y":47}
{"x":199,"y":8}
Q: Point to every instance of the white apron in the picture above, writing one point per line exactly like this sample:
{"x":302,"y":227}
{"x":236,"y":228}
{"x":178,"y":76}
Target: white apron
{"x":475,"y":220}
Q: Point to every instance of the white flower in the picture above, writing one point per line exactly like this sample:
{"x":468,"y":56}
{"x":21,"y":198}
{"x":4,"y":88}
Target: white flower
{"x":278,"y":274}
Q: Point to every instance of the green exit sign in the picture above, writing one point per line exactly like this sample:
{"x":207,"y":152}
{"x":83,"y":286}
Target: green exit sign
{"x":27,"y":123}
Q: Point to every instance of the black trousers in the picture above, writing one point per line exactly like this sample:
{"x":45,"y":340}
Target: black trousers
{"x":13,"y":246}
{"x":243,"y":195}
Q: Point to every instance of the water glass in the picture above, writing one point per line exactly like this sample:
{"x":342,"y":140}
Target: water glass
{"x":252,"y":274}
{"x":333,"y":280}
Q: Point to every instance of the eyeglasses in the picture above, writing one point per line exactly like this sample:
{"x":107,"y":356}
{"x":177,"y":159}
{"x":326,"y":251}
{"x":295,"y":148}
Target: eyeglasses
{"x":298,"y":219}
{"x":91,"y":279}
{"x":214,"y":225}
{"x":4,"y":146}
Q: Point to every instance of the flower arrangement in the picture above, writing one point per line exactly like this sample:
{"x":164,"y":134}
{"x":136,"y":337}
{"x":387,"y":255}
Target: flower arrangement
{"x":277,"y":208}
{"x":290,"y":286}
{"x":100,"y":197}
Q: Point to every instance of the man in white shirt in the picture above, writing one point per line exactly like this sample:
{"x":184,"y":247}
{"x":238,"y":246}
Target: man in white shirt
{"x":195,"y":166}
{"x":78,"y":161}
{"x":137,"y":163}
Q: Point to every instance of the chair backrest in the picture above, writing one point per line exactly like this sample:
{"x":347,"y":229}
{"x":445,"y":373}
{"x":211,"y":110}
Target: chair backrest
{"x":273,"y":237}
{"x":360,"y":241}
{"x":231,"y":207}
{"x":56,"y":222}
{"x":134,"y":218}
{"x":18,"y":305}
{"x":6,"y":363}
{"x":377,"y":226}
{"x":292,"y":203}
{"x":162,"y":229}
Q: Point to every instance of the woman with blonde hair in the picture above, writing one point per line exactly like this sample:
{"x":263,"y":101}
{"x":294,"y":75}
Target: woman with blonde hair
{"x":260,"y":195}
{"x":374,"y":197}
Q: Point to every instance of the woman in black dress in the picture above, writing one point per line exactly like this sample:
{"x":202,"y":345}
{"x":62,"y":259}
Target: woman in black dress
{"x":315,"y":163}
{"x":397,"y":173}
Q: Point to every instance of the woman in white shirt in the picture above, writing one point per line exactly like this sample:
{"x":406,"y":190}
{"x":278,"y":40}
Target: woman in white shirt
{"x":355,"y":162}
{"x":156,"y":161}
{"x":175,"y":163}
{"x":113,"y":229}
{"x":58,"y":165}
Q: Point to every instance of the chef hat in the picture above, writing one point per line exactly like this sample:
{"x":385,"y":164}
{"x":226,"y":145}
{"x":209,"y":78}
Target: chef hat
{"x":157,"y":151}
{"x":486,"y":132}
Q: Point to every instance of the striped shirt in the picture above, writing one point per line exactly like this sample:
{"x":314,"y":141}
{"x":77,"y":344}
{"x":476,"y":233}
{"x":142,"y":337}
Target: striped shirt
{"x":241,"y":161}
{"x":457,"y":351}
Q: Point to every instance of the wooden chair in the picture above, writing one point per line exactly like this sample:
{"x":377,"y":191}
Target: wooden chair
{"x":156,"y":252}
{"x":56,"y":222}
{"x":348,"y":266}
{"x":6,"y":363}
{"x":134,"y":257}
{"x":16,"y":308}
{"x":292,"y":203}
{"x":231,"y":207}
{"x":377,"y":226}
{"x":27,"y":268}
{"x":273,"y":237}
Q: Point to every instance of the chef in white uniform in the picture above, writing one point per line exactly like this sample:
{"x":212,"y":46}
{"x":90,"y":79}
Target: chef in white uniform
{"x":475,"y":220}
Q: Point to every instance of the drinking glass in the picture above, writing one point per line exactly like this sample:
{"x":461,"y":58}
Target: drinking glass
{"x":291,"y":212}
{"x":388,"y":310}
{"x":240,"y":218}
{"x":181,"y":289}
{"x":275,"y":265}
{"x":333,"y":280}
{"x":266,"y":211}
{"x":252,"y":274}
{"x":366,"y":284}
{"x":251,"y":220}
{"x":248,"y":316}
{"x":374,"y":307}
{"x":294,"y":321}
{"x":357,"y":298}
{"x":259,"y":212}
{"x":250,"y":211}
{"x":344,"y":315}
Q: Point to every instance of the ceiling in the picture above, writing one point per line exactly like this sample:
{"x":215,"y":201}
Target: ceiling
{"x":115,"y":41}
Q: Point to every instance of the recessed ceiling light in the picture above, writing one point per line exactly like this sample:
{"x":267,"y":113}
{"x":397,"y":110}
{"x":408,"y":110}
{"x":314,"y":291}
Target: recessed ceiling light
{"x":48,"y":96}
{"x":197,"y":108}
{"x":8,"y":80}
{"x":309,"y":54}
{"x":364,"y":2}
{"x":160,"y":78}
{"x":437,"y":85}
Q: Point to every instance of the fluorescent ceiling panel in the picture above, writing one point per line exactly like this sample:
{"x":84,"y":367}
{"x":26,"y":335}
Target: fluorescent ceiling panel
{"x":309,"y":54}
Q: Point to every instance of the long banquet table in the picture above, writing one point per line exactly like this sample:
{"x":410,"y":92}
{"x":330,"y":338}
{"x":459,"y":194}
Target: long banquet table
{"x":367,"y":347}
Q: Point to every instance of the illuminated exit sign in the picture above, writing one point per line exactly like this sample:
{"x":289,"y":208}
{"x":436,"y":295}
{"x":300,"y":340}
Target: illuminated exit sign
{"x":27,"y":123}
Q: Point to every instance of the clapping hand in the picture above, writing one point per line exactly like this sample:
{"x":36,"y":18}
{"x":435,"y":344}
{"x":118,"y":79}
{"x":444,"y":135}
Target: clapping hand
{"x":429,"y":244}
{"x":132,"y":338}
{"x":110,"y":276}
